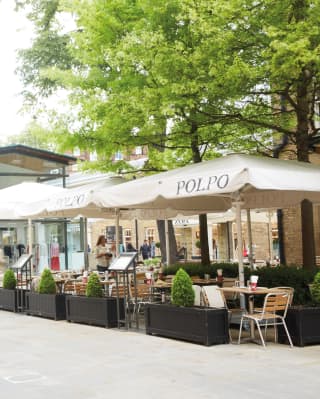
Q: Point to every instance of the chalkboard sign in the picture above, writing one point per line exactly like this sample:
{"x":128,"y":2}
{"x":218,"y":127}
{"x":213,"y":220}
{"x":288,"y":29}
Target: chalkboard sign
{"x":22,"y":261}
{"x":123,"y":262}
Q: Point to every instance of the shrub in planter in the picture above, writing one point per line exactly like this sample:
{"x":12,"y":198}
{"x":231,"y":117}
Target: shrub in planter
{"x":94,"y":308}
{"x":47,"y":284}
{"x":8,"y":295}
{"x":315,"y":289}
{"x":9,"y":280}
{"x":182,"y":293}
{"x":207,"y":326}
{"x":46,"y":302}
{"x":94,"y":288}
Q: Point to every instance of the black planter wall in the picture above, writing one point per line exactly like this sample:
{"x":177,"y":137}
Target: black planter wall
{"x":52,"y":306}
{"x":303,"y":324}
{"x":205,"y":326}
{"x":8,"y":300}
{"x":94,"y":311}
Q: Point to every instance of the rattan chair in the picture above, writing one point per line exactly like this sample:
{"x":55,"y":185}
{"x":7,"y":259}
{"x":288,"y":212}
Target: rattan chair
{"x":273,"y":314}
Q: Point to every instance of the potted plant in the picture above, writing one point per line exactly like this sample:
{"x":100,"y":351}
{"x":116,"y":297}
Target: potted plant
{"x":93,"y":308}
{"x":182,"y":320}
{"x":8,"y":294}
{"x":303,"y":321}
{"x":45,"y":302}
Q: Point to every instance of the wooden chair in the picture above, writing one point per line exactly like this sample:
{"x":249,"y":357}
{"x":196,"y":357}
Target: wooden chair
{"x":69,"y":287}
{"x":273,"y":314}
{"x":140,"y":296}
{"x":80,"y":288}
{"x":290,"y":291}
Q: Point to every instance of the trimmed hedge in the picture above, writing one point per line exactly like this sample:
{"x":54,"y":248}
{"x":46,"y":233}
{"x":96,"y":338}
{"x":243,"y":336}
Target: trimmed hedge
{"x":288,"y":276}
{"x":196,"y":269}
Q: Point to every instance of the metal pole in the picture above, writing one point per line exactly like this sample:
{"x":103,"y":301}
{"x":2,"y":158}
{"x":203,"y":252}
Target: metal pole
{"x":270,"y":238}
{"x":250,"y":238}
{"x":166,"y":228}
{"x":239,"y":241}
{"x":30,"y":243}
{"x":117,"y":231}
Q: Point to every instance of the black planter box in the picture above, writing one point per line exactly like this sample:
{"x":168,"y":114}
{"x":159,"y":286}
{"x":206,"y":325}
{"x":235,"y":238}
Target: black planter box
{"x":8,"y":299}
{"x":13,"y":300}
{"x":201,"y":325}
{"x":51,"y":306}
{"x":94,"y":311}
{"x":303,"y":324}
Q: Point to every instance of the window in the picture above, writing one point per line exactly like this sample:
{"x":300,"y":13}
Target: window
{"x":138,"y":150}
{"x":127,"y":235}
{"x":150,"y":233}
{"x":118,"y":156}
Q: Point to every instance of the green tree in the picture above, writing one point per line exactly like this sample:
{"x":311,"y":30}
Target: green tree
{"x":185,"y":78}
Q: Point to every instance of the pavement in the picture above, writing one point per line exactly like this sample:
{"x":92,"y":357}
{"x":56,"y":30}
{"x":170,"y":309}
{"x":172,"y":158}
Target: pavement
{"x":48,"y":359}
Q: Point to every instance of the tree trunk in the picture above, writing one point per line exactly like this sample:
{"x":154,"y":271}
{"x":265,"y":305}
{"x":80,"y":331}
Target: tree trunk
{"x":205,"y":256}
{"x":203,"y":225}
{"x":172,"y":241}
{"x":302,"y":144}
{"x":307,"y":230}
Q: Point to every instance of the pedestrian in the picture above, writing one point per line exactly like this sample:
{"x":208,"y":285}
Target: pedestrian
{"x":145,"y":250}
{"x":130,"y":248}
{"x":102,"y":255}
{"x":152,"y":249}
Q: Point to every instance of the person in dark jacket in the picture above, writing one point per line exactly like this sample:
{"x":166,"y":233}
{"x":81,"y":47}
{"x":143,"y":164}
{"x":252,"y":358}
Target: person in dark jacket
{"x":145,"y":250}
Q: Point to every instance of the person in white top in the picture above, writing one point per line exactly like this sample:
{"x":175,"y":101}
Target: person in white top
{"x":102,"y":255}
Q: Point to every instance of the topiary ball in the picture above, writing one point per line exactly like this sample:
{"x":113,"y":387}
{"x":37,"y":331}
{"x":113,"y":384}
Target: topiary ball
{"x":182,"y":293}
{"x":94,"y":288}
{"x":9,"y":280}
{"x":47,"y":284}
{"x":315,"y":290}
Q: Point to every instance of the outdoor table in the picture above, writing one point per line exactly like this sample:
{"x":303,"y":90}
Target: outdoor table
{"x":160,"y":287}
{"x":249,"y":293}
{"x":202,"y":282}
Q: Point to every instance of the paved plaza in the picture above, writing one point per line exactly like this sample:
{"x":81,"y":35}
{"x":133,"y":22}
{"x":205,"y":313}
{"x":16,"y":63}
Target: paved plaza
{"x":45,"y":359}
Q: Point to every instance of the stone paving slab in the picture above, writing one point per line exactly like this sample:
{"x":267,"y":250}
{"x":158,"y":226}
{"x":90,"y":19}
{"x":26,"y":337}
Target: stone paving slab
{"x":45,"y":359}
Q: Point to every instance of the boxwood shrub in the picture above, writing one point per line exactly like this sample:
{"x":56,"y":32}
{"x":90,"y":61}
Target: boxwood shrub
{"x":9,"y":280}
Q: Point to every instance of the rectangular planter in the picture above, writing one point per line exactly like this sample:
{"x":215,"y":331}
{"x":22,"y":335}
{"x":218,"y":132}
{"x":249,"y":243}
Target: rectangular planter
{"x":52,"y":306}
{"x":95,"y":311}
{"x":13,"y":300}
{"x":8,"y":299}
{"x":201,"y":325}
{"x":303,"y":324}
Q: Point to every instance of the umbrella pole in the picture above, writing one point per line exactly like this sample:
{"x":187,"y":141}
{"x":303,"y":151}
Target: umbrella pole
{"x":250,"y":239}
{"x":167,"y":241}
{"x":117,"y":231}
{"x":30,"y":236}
{"x":239,"y":248}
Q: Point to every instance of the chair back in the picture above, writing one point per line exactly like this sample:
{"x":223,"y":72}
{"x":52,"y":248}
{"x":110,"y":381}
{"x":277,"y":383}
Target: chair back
{"x":213,"y":297}
{"x":276,"y":302}
{"x":197,"y":295}
{"x":289,"y":290}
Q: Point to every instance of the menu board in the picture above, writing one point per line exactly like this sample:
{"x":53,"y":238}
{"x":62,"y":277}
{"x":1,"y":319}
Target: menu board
{"x":123,"y":262}
{"x":22,"y":261}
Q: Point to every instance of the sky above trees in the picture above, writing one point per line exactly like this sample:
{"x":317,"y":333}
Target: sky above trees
{"x":15,"y":33}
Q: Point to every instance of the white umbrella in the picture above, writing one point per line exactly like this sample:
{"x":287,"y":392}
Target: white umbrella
{"x":236,"y":180}
{"x":12,"y":197}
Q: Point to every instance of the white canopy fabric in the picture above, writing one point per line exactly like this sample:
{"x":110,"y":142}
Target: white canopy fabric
{"x":11,"y":198}
{"x":244,"y":181}
{"x":210,"y":186}
{"x":214,"y":185}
